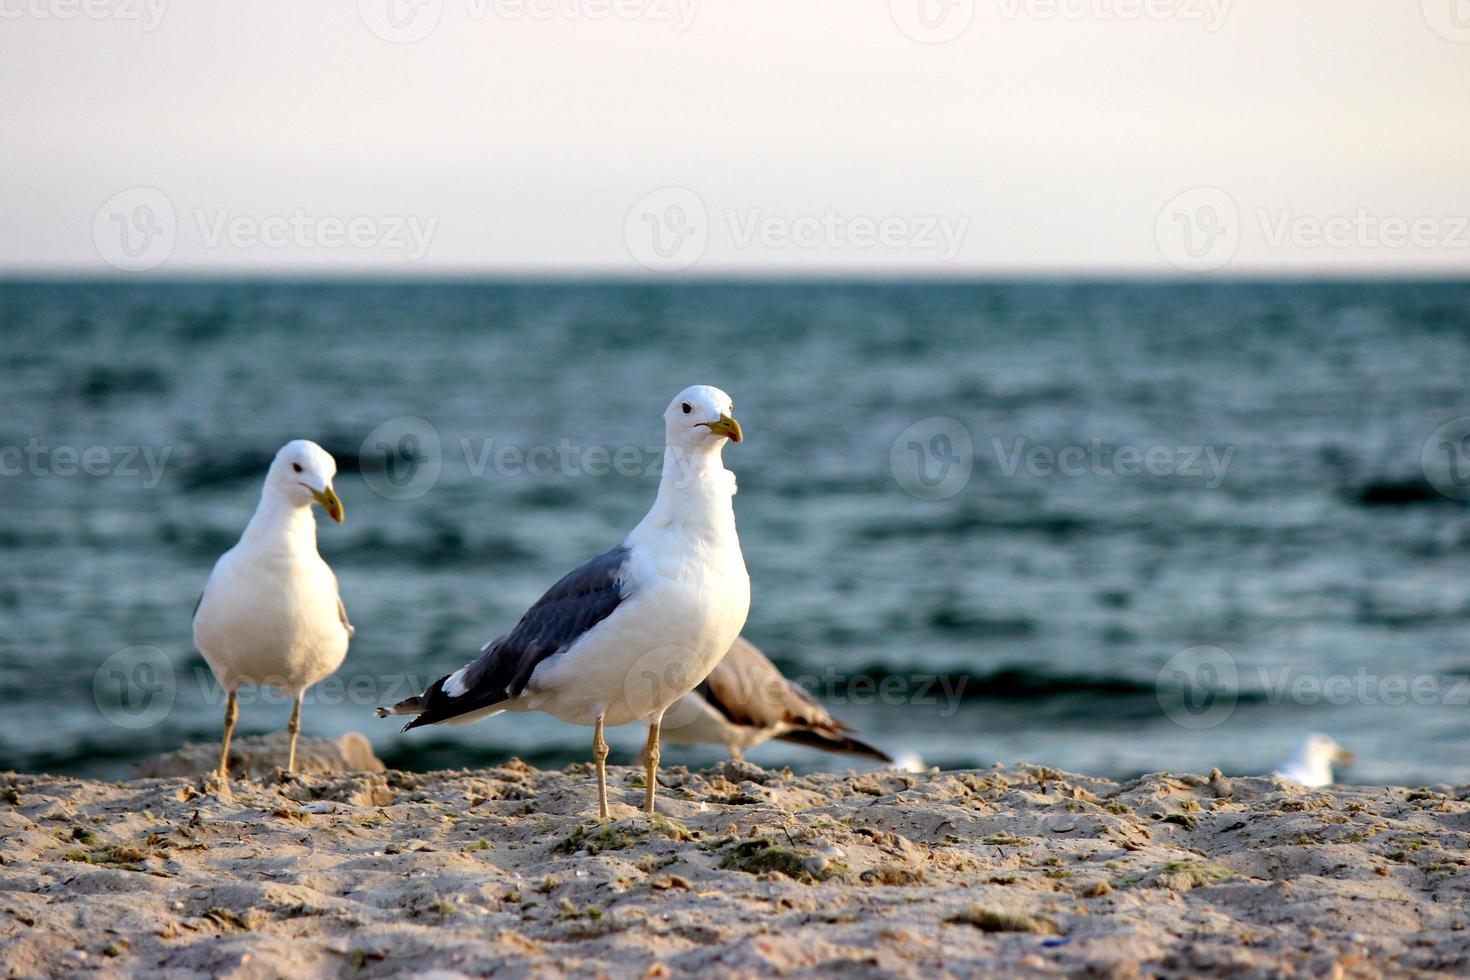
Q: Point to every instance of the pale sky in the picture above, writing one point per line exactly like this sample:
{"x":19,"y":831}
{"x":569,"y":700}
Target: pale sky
{"x":689,"y":138}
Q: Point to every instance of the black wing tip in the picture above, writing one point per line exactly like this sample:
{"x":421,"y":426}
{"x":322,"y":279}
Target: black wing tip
{"x":417,"y":705}
{"x":434,"y":707}
{"x":829,"y":741}
{"x":424,"y":718}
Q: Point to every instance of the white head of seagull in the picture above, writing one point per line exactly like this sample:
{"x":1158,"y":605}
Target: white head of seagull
{"x":700,"y":419}
{"x":697,"y":425}
{"x":301,"y":475}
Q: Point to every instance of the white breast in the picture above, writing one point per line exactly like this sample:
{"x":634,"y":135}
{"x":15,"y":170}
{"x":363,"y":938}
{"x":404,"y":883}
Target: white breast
{"x":271,"y":619}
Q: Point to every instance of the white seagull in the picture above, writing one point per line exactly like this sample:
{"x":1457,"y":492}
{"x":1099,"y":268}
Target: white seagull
{"x":746,"y":701}
{"x":270,"y":613}
{"x":633,"y":630}
{"x":1311,"y":765}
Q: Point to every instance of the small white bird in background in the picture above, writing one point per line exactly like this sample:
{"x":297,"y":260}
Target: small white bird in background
{"x":270,"y":613}
{"x":631,"y":631}
{"x":1311,"y":764}
{"x":746,"y":701}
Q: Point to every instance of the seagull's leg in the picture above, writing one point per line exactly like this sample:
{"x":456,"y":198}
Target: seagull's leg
{"x":232,"y":711}
{"x":599,"y":756}
{"x":294,"y":728}
{"x":735,"y":755}
{"x":650,"y":761}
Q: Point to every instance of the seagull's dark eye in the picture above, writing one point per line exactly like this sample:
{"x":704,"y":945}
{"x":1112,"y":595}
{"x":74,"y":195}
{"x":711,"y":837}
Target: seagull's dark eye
{"x":686,"y":408}
{"x":296,"y":467}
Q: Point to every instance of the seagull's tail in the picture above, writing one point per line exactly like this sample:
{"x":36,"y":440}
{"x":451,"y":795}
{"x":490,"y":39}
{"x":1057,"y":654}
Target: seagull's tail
{"x":438,"y":706}
{"x":408,"y":706}
{"x":834,"y":741}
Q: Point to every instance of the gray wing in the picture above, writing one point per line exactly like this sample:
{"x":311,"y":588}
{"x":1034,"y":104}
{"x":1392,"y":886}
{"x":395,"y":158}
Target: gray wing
{"x":582,"y":599}
{"x":747,"y":689}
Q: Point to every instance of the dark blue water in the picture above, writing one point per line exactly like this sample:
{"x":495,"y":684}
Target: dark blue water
{"x":1154,"y":469}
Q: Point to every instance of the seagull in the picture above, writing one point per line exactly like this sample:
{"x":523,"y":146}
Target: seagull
{"x":271,"y":613}
{"x":631,"y":631}
{"x":745,"y":701}
{"x":1311,"y":765}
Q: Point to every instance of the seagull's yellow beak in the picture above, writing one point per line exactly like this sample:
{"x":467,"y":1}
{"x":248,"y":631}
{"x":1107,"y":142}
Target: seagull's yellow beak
{"x":727,"y":427}
{"x":1345,"y":757}
{"x":330,"y":503}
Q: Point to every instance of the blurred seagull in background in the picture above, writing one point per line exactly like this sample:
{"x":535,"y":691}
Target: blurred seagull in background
{"x":746,"y":701}
{"x":1311,"y":764}
{"x":909,"y":762}
{"x":271,"y":613}
{"x":631,"y":631}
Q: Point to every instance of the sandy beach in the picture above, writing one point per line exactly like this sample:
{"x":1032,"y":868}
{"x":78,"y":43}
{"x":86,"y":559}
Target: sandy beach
{"x":746,"y":872}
